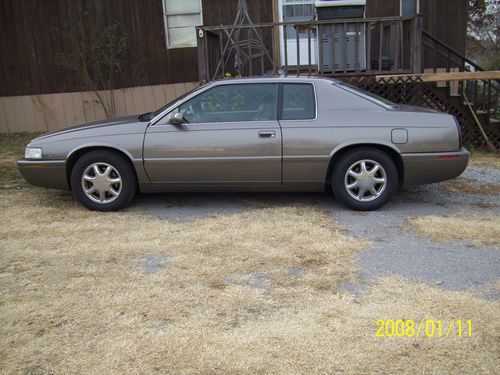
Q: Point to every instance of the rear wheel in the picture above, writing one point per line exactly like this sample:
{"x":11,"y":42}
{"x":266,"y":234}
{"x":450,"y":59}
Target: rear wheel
{"x":103,"y":181}
{"x":364,"y":179}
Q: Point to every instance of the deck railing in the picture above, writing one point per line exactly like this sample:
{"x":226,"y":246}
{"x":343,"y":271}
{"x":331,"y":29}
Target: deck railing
{"x":332,"y":48}
{"x":482,"y":94}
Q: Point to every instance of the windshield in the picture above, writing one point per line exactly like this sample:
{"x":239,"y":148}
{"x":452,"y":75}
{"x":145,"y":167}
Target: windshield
{"x":387,"y":104}
{"x":151,"y":115}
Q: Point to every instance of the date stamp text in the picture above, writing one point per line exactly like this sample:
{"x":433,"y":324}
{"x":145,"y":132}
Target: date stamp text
{"x":424,"y":327}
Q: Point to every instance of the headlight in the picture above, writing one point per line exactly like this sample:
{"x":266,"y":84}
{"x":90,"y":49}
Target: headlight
{"x":33,"y":153}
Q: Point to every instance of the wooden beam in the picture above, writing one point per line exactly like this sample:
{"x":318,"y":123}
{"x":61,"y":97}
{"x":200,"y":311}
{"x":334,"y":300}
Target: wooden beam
{"x":201,"y":38}
{"x":276,"y":37}
{"x":416,"y":45}
{"x":306,"y":23}
{"x":438,"y":77}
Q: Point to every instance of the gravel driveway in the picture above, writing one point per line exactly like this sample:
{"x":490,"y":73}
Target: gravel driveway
{"x":456,"y":265}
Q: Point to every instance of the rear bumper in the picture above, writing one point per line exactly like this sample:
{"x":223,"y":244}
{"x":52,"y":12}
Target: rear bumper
{"x":44,"y":173}
{"x":426,"y":168}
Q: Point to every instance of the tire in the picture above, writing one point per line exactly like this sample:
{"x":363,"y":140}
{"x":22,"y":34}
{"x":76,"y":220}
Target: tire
{"x":378,"y":178}
{"x":103,"y":181}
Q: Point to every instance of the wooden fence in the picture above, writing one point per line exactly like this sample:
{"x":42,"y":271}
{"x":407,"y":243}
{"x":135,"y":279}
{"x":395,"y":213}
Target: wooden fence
{"x":46,"y":112}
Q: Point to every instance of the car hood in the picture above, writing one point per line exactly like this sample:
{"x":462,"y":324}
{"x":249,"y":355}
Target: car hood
{"x":125,"y":120}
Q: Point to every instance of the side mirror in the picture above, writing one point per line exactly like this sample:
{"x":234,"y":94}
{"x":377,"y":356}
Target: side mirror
{"x":176,"y":118}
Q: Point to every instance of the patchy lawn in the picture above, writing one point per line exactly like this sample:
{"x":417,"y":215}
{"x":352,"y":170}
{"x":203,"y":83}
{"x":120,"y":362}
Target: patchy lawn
{"x":76,"y":284}
{"x":257,"y":291}
{"x":12,"y":149}
{"x":479,"y":229}
{"x":462,"y":185}
{"x":487,"y":159}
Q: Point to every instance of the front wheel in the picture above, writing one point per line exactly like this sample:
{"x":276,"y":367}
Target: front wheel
{"x":364,"y":179}
{"x":103,"y":181}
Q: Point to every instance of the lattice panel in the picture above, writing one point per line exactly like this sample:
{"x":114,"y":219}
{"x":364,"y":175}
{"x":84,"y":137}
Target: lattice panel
{"x":413,"y":91}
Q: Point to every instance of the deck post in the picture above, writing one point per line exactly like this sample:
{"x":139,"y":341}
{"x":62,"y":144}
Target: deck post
{"x":202,"y":61}
{"x":276,"y":38}
{"x":416,"y":46}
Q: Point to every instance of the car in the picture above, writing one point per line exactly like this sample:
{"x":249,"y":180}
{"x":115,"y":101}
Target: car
{"x":253,"y":134}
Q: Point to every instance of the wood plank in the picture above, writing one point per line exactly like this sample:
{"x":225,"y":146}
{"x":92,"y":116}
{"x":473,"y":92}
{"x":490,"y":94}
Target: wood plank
{"x":98,"y":109}
{"x":40,"y":113}
{"x":441,"y":83}
{"x":454,"y":85}
{"x":142,"y":98}
{"x":159,"y":100}
{"x":58,"y":111}
{"x":89,"y":102}
{"x":452,"y":76}
{"x":41,"y":110}
{"x":44,"y":104}
{"x":120,"y":102}
{"x":80,"y":115}
{"x":11,"y":116}
{"x":149,"y":100}
{"x":18,"y":115}
{"x":130,"y":105}
{"x":28,"y":115}
{"x":70,"y":115}
{"x":169,"y":93}
{"x":4,"y":125}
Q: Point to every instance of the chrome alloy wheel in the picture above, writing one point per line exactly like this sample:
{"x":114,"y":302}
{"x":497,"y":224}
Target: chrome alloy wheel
{"x":365,"y":180}
{"x":101,"y":183}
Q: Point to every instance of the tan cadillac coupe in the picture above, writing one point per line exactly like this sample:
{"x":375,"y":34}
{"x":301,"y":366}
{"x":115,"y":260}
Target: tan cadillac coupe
{"x":254,"y":134}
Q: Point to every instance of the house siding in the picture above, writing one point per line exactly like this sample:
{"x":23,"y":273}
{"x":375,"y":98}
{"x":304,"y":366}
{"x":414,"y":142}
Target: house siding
{"x":33,"y":32}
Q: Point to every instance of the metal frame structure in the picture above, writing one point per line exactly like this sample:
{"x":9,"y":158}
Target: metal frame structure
{"x":244,"y":50}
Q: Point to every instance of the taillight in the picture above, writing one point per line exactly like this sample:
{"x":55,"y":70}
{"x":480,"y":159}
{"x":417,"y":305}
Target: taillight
{"x":459,"y":133}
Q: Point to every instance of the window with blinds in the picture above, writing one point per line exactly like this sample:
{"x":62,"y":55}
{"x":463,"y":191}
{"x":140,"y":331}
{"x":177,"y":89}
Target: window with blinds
{"x":297,"y":10}
{"x":181,"y":18}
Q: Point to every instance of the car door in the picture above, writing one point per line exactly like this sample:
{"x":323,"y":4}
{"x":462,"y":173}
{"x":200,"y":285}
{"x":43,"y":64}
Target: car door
{"x":304,"y":158}
{"x":230,"y":136}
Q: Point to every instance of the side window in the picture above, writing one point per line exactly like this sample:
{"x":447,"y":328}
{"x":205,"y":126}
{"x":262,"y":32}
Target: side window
{"x":233,"y":103}
{"x":298,"y":101}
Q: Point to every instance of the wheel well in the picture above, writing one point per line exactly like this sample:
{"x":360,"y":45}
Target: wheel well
{"x":73,"y":158}
{"x":395,"y":156}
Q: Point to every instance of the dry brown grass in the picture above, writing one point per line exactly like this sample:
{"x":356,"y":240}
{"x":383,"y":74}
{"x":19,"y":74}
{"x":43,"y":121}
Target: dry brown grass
{"x":461,"y":185}
{"x":75,"y":297}
{"x":69,"y":272}
{"x":487,"y":159}
{"x":480,"y":229}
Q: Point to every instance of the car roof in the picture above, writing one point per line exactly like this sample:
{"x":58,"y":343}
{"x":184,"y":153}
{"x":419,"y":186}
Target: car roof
{"x":263,"y":79}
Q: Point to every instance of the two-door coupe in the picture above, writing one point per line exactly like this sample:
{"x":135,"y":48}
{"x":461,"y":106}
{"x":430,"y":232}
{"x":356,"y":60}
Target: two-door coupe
{"x":253,"y":134}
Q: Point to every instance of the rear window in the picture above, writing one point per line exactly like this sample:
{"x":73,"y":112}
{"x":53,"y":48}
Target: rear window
{"x":298,"y":101}
{"x":387,"y":104}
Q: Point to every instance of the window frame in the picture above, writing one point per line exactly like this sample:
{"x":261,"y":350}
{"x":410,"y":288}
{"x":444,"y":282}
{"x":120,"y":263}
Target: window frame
{"x":227,"y":85}
{"x":165,"y":23}
{"x":401,"y":8}
{"x":281,"y":101}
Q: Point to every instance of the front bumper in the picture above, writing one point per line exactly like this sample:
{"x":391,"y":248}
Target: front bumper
{"x":426,"y":168}
{"x":44,"y":173}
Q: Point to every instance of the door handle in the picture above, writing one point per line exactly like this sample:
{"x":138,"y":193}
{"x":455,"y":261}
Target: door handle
{"x":267,"y":134}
